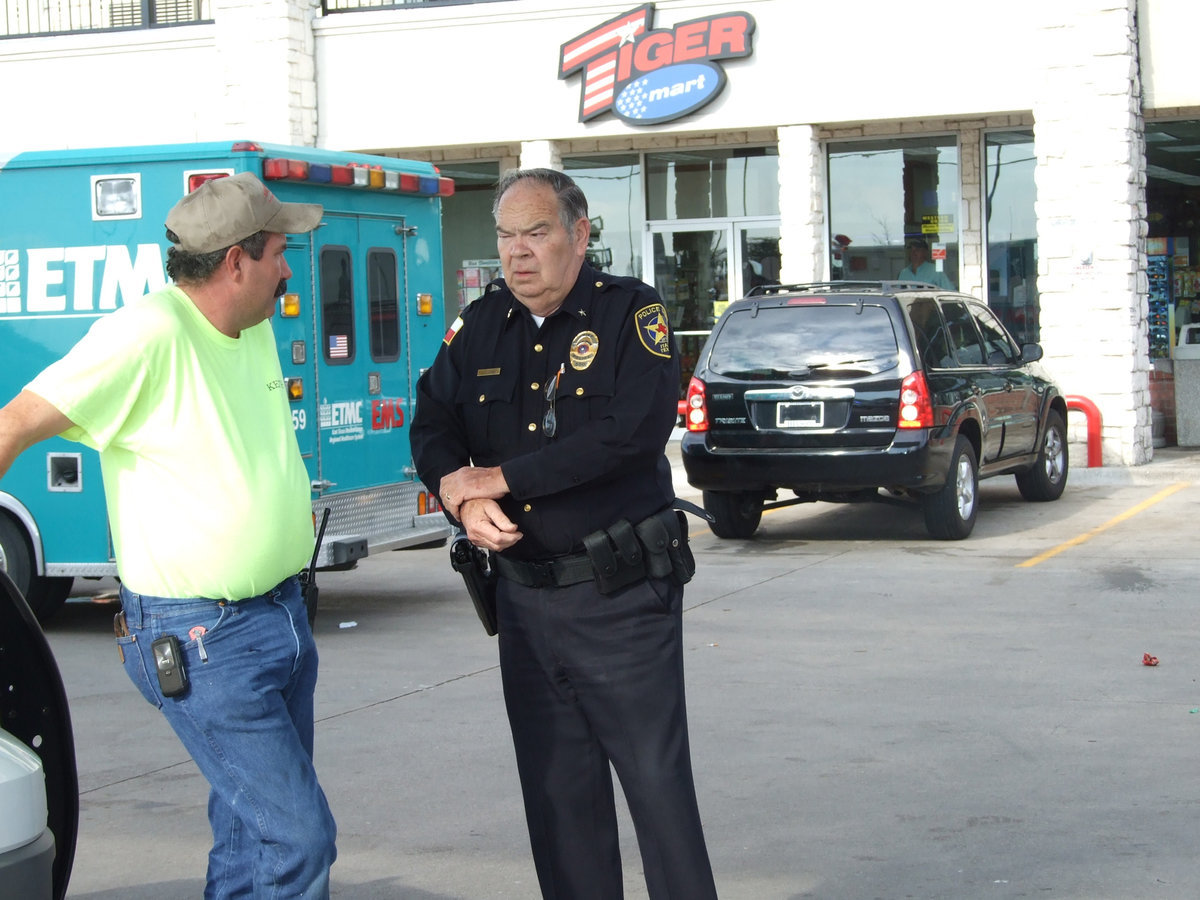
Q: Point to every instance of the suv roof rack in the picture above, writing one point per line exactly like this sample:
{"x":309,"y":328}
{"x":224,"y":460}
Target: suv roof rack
{"x":882,"y":287}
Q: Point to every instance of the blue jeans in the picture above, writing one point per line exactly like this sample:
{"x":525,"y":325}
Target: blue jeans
{"x":246,"y":719}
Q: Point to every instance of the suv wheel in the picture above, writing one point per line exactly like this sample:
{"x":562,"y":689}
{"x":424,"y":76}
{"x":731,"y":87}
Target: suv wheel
{"x":1047,"y":477}
{"x":950,"y":513}
{"x":44,"y":595}
{"x":736,"y":513}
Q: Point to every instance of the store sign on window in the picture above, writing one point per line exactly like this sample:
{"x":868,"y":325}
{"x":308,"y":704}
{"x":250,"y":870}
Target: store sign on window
{"x":648,"y":75}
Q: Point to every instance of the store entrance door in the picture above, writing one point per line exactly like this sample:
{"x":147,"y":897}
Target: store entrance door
{"x":698,"y":266}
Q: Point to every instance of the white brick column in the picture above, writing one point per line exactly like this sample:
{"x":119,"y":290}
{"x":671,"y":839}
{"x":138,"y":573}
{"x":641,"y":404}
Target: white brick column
{"x":971,"y":275}
{"x":266,"y":51}
{"x":802,"y":246}
{"x":541,"y":155}
{"x":1088,"y":137}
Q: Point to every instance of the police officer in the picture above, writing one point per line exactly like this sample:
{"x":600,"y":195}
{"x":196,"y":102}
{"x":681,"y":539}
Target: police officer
{"x":543,"y":421}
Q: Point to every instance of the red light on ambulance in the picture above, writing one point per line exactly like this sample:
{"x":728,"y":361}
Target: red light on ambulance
{"x":285,"y":169}
{"x":341,"y":175}
{"x":445,"y":187}
{"x":198,"y":178}
{"x":410,"y":183}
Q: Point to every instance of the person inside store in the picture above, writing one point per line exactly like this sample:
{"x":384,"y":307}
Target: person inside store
{"x":209,"y":508}
{"x":542,"y":426}
{"x":1185,"y":311}
{"x":920,"y":268}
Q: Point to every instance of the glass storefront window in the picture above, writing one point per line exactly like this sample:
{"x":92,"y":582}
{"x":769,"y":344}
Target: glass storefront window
{"x":1009,"y":194}
{"x":1173,"y":243}
{"x":888,"y":194}
{"x":613,"y":187}
{"x":702,"y":184}
{"x":469,"y":256}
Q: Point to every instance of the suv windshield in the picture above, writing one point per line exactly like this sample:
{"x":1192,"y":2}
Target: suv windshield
{"x":803,"y":341}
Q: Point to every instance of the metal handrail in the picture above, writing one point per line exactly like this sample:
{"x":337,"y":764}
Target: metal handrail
{"x":341,"y":6}
{"x":35,"y":18}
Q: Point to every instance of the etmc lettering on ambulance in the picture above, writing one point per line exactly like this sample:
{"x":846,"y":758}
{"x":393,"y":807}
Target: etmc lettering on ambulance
{"x":83,"y":235}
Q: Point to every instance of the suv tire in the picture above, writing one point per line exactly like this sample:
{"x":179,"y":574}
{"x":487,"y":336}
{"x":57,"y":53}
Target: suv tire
{"x":44,"y":595}
{"x":1046,"y":478}
{"x":950,"y":513}
{"x":736,"y":514}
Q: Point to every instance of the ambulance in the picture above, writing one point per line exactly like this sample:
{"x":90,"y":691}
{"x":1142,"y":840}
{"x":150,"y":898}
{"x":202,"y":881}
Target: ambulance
{"x":82,"y":234}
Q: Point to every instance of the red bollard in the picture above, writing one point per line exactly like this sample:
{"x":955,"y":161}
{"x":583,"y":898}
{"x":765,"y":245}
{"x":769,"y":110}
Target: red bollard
{"x":1095,"y":455}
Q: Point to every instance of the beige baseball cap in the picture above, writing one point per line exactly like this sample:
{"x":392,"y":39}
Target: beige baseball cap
{"x":224,"y":211}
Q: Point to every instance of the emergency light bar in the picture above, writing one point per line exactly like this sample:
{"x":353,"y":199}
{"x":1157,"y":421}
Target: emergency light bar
{"x":358,"y":175}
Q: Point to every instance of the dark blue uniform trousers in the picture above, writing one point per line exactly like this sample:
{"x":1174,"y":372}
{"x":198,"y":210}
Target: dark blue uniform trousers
{"x":591,"y":680}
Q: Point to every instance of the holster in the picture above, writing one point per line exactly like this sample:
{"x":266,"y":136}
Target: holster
{"x":657,"y":547}
{"x":310,"y":594}
{"x":480,"y":577}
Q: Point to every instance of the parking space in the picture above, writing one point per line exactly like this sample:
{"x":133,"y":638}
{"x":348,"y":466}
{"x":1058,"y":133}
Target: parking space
{"x":873,"y":714}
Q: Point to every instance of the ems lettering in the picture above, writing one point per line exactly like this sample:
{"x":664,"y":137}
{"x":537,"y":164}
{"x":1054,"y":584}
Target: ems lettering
{"x":386,"y":414}
{"x":63,"y":279}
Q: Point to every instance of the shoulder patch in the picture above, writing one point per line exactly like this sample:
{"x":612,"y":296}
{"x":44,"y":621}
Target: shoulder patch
{"x":652,"y":329}
{"x":458,"y":323}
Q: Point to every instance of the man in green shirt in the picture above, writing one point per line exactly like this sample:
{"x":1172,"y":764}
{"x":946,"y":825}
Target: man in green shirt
{"x":209,"y":507}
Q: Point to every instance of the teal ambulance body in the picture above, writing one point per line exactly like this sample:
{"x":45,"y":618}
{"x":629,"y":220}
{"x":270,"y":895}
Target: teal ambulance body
{"x":82,"y":234}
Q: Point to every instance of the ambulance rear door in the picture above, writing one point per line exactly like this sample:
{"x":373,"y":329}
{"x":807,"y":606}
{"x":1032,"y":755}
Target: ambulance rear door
{"x":363,"y":388}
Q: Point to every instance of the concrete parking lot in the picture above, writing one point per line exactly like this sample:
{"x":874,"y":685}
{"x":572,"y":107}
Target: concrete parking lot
{"x":873,"y":714}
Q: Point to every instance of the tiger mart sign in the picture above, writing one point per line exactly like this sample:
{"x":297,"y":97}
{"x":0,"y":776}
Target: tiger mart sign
{"x":647,"y":76}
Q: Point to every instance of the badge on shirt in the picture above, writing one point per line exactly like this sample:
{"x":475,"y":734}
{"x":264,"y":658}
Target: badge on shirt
{"x":583,"y":350}
{"x":652,"y":329}
{"x":458,"y":323}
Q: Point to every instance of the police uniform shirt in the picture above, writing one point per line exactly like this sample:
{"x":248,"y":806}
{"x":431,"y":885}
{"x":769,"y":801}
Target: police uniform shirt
{"x":607,"y":357}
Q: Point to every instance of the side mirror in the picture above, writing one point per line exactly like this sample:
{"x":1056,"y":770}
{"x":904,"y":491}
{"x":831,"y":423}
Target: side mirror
{"x":1031,"y":352}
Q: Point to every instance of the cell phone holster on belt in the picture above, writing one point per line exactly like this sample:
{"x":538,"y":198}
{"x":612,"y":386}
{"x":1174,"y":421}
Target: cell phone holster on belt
{"x":665,"y":537}
{"x":657,"y":547}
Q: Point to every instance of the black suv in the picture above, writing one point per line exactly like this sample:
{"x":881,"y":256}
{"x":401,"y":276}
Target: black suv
{"x":837,"y":389}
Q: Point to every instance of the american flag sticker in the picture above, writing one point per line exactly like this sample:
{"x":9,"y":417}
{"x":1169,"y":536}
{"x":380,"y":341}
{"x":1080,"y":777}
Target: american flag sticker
{"x":339,"y":346}
{"x":595,"y":52}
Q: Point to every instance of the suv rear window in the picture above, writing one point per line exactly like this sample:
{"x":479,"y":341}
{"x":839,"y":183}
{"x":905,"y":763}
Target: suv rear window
{"x":803,"y":341}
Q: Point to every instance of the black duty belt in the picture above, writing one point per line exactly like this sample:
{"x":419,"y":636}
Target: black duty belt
{"x":558,"y":572}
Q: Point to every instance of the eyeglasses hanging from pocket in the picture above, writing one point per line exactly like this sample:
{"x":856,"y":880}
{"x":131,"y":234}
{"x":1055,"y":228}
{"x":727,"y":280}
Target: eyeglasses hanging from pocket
{"x":550,"y":421}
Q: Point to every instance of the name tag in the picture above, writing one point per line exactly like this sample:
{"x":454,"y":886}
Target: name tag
{"x":483,"y":372}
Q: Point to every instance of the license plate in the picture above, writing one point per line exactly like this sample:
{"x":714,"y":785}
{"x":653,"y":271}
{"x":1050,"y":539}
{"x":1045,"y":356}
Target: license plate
{"x":809,"y":414}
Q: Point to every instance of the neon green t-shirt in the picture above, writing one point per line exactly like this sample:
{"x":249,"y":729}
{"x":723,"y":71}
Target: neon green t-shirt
{"x":207,"y":493}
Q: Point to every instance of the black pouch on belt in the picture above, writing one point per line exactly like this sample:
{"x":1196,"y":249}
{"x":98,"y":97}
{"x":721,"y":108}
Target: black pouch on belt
{"x":616,"y":556}
{"x":665,"y":538}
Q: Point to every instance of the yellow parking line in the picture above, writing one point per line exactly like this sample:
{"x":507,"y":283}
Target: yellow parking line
{"x":1087,"y":536}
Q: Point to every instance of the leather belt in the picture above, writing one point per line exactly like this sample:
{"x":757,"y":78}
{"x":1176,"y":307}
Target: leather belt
{"x":558,"y":572}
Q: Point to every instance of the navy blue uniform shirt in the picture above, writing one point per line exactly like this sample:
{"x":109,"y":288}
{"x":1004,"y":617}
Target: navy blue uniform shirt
{"x":483,"y":401}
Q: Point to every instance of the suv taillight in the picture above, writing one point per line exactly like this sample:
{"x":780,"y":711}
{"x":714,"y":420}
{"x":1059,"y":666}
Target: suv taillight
{"x":916,"y":409}
{"x":696,"y":410}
